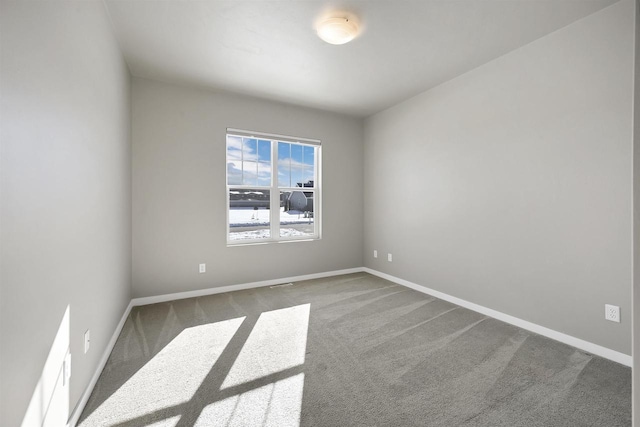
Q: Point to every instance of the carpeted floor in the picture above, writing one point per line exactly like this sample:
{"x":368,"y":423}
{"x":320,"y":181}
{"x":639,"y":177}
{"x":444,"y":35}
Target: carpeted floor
{"x":352,"y":350}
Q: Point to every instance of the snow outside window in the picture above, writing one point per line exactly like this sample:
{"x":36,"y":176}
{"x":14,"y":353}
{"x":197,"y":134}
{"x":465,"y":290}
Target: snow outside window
{"x":273,"y":188}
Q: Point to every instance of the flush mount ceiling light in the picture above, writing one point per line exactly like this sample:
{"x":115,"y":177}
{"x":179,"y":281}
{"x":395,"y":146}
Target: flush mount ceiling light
{"x":337,"y":30}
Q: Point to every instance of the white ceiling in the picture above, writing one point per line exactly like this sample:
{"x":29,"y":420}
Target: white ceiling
{"x":269,"y":49}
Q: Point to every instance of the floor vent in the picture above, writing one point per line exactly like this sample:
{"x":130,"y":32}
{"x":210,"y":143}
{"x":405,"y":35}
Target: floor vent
{"x":281,"y":286}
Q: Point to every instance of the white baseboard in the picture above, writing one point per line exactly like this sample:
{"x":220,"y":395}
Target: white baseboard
{"x":77,"y":411}
{"x":529,"y":326}
{"x":222,"y":289}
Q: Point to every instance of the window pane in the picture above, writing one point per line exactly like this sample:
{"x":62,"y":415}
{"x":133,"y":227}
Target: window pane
{"x":249,"y":163}
{"x":296,"y":176}
{"x":296,"y":165}
{"x":234,"y":160}
{"x":249,"y":173}
{"x":249,"y":216}
{"x":296,"y":154}
{"x":309,"y":156}
{"x":297,"y":214}
{"x":308,"y":177}
{"x":284,"y":164}
{"x":264,"y":150}
{"x":250,"y":149}
{"x":264,"y":174}
{"x":264,"y":163}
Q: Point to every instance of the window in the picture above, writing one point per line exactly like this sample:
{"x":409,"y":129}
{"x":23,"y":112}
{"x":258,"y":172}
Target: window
{"x":273,"y":188}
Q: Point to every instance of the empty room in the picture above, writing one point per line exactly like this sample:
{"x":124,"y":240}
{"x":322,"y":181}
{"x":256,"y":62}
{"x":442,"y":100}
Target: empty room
{"x":313,"y":213}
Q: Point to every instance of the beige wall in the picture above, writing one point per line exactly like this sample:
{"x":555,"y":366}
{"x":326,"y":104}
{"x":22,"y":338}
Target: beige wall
{"x":65,"y":191}
{"x":511,"y":185}
{"x":179,"y":199}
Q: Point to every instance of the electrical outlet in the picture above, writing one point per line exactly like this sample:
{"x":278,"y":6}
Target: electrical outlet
{"x":612,"y":312}
{"x":375,"y":253}
{"x":87,"y":340}
{"x":202,"y":268}
{"x":389,"y":257}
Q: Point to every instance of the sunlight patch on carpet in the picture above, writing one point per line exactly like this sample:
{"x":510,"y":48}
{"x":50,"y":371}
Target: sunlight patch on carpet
{"x":277,"y":342}
{"x":277,"y":404}
{"x":172,"y":377}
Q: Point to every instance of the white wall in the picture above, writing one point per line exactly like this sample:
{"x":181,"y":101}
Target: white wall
{"x":511,"y":185}
{"x":65,"y":192}
{"x":179,"y":193}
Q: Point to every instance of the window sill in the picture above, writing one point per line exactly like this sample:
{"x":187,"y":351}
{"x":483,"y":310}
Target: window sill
{"x":272,"y":242}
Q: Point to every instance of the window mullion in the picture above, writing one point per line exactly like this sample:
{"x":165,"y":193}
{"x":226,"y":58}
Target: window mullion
{"x":242,"y":160}
{"x":317,"y":201}
{"x":275,"y":194}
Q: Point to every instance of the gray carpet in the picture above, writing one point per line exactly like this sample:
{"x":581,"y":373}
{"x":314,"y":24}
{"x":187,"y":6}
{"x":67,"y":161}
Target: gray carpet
{"x":352,"y":350}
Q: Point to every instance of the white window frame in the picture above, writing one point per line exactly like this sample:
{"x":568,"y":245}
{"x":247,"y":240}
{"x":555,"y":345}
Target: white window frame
{"x":274,"y":195}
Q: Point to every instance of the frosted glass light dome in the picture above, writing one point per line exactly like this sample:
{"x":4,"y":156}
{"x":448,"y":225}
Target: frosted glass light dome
{"x":337,"y":30}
